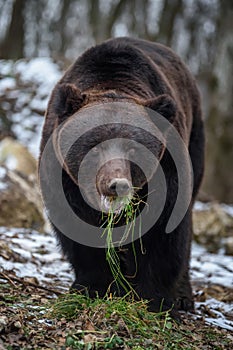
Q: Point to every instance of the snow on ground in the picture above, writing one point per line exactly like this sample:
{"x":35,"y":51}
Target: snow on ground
{"x":3,"y":186}
{"x":211,"y":268}
{"x":218,"y":310}
{"x":37,"y":255}
{"x":26,"y":87}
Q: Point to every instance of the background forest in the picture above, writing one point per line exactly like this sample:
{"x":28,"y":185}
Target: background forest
{"x":200,"y":31}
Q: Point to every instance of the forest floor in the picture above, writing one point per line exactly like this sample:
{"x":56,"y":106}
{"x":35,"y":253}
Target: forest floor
{"x":26,"y":324}
{"x":37,"y":312}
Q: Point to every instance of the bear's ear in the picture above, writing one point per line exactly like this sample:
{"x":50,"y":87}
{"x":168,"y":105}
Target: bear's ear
{"x":163,"y":105}
{"x":67,"y":99}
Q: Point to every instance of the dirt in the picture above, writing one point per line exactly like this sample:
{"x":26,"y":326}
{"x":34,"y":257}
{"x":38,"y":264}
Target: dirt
{"x":34,"y":274}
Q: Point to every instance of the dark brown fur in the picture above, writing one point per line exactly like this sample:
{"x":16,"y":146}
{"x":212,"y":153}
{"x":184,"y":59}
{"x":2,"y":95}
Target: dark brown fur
{"x":151,"y":75}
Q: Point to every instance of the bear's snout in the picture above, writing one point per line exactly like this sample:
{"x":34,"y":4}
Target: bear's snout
{"x":119,"y":187}
{"x":114,"y":178}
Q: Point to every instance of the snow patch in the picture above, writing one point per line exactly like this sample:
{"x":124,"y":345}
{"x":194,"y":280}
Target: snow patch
{"x":43,"y":261}
{"x":217,"y":309}
{"x":199,"y":206}
{"x":213,"y":268}
{"x":40,"y":70}
{"x":2,"y":173}
{"x":228,"y":209}
{"x":28,"y":94}
{"x":3,"y":186}
{"x":6,"y":83}
{"x":11,"y":162}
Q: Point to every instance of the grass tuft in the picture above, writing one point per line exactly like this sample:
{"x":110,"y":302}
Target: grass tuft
{"x":114,"y":321}
{"x":128,"y":214}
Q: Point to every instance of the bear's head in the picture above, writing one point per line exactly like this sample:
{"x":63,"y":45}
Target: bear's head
{"x":108,"y":144}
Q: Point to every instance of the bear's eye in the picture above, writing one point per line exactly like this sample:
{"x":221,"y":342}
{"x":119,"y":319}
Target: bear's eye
{"x":131,"y":151}
{"x":95,"y":150}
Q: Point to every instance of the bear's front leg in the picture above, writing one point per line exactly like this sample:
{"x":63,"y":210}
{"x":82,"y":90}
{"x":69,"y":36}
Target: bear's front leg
{"x":92,"y":273}
{"x":163,"y":276}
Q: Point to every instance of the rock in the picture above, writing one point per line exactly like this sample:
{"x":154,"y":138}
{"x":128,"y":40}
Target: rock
{"x":228,"y":245}
{"x":211,"y":225}
{"x":16,"y":157}
{"x":20,"y":201}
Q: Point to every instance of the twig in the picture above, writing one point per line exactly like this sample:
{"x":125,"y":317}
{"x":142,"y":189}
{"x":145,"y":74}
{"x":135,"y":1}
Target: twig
{"x":7,"y":278}
{"x":21,"y":280}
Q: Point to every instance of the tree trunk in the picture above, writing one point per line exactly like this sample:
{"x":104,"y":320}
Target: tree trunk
{"x":12,"y":46}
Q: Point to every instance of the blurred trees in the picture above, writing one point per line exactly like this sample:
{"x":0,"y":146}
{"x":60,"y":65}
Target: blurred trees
{"x":12,"y":45}
{"x":199,"y":30}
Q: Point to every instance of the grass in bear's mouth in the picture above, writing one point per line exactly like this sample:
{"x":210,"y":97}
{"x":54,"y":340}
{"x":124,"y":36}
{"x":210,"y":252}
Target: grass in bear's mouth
{"x":114,"y":204}
{"x":129,"y":212}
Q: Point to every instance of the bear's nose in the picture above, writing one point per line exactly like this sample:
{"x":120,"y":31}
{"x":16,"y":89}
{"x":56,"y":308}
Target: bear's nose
{"x":119,"y":187}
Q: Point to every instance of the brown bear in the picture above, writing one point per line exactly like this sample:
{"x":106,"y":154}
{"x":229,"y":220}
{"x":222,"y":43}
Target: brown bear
{"x":117,"y":91}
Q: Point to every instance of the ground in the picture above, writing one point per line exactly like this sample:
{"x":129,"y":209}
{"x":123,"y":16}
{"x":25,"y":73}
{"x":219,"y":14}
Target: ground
{"x":42,"y":315}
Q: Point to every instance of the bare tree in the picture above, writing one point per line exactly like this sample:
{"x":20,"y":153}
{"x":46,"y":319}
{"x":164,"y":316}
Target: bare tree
{"x":12,"y":45}
{"x":219,"y":124}
{"x":171,"y":10}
